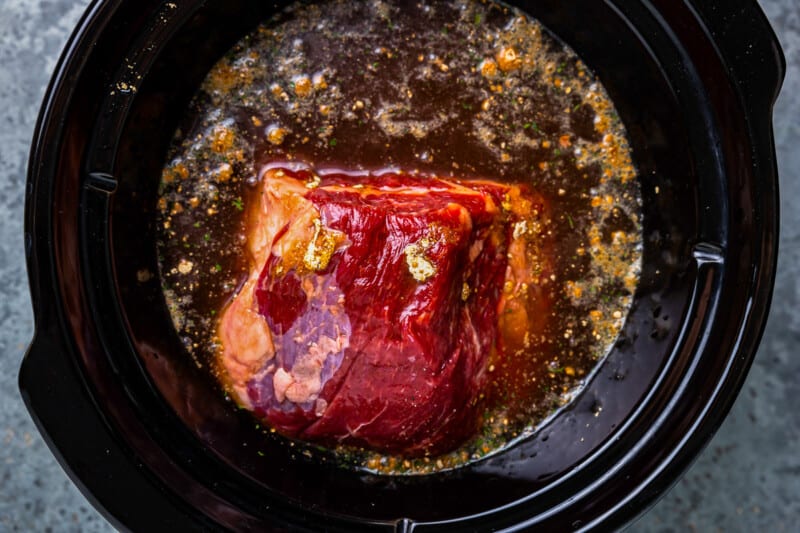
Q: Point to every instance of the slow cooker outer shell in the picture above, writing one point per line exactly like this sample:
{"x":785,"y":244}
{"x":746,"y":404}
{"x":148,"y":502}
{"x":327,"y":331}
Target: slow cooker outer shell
{"x":99,"y":433}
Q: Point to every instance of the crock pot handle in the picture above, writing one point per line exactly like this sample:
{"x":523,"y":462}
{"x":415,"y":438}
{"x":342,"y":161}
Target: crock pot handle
{"x":750,"y":49}
{"x":106,"y":473}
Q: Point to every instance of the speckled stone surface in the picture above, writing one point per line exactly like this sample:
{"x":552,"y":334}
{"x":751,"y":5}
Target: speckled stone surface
{"x":748,"y":479}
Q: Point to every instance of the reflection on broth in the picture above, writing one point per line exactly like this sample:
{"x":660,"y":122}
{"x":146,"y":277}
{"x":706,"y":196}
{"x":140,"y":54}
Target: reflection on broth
{"x":454,"y":114}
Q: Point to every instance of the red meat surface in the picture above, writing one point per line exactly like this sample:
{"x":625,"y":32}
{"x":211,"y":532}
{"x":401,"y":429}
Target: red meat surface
{"x":375,"y":303}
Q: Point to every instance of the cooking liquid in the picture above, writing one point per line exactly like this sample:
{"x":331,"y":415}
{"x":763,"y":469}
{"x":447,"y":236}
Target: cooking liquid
{"x":460,"y":89}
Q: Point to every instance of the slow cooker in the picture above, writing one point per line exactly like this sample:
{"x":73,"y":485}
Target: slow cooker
{"x":131,"y":418}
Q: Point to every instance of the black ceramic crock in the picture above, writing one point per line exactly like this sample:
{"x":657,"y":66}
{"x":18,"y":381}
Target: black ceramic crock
{"x":148,"y":442}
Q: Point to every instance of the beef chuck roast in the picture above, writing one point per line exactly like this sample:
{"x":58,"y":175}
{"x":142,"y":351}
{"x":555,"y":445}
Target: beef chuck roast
{"x":374,"y":305}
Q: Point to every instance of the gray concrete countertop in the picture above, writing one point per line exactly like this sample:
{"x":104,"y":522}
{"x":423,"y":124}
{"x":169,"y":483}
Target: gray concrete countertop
{"x":748,"y":479}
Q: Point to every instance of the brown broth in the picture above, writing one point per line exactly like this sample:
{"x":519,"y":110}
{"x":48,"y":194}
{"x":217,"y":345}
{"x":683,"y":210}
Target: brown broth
{"x":454,"y":88}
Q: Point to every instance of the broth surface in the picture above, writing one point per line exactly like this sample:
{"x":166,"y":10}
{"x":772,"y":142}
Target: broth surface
{"x":457,"y":89}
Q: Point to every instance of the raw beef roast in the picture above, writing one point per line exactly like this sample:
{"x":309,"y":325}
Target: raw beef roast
{"x":376,"y":302}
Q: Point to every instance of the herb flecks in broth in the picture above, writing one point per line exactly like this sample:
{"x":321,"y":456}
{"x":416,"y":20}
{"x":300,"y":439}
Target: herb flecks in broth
{"x":458,"y":88}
